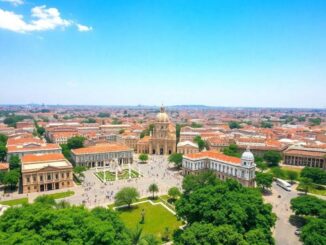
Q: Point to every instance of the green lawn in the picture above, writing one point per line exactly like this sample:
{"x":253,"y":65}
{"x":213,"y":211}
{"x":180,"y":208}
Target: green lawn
{"x":315,"y":189}
{"x":61,"y":194}
{"x":14,"y":202}
{"x":296,"y":169}
{"x":157,"y":218}
{"x":110,"y":176}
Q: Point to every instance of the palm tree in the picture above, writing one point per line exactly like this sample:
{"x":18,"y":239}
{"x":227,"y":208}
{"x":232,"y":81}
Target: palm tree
{"x":153,"y":188}
{"x":135,"y":235}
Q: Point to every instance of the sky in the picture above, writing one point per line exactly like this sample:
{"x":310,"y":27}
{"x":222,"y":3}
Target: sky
{"x":113,"y":52}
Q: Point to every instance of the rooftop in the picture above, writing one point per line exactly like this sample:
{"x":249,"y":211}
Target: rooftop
{"x":100,"y":148}
{"x":213,"y":155}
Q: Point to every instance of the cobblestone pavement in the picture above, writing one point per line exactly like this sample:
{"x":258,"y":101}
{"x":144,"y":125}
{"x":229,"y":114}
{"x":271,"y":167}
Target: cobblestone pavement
{"x":94,"y":192}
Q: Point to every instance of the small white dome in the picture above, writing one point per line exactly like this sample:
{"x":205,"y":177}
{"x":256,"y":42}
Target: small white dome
{"x":247,"y":155}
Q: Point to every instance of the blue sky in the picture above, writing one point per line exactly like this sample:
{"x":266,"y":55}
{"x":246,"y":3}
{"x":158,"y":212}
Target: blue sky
{"x":222,"y":53}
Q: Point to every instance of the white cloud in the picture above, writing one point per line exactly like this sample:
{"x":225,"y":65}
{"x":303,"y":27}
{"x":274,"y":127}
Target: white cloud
{"x":84,"y":28}
{"x":43,"y":19}
{"x":14,"y":2}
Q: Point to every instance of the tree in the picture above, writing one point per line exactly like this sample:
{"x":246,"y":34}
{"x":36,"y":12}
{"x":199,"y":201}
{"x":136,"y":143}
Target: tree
{"x":153,"y":188}
{"x":66,"y":152}
{"x":220,"y":203}
{"x":46,"y":200}
{"x":278,"y":172}
{"x":292,"y":175}
{"x":79,"y":171}
{"x":313,"y":210}
{"x":305,"y":184}
{"x":234,"y":124}
{"x":76,"y":142}
{"x":196,"y":125}
{"x":3,"y":152}
{"x":315,"y":121}
{"x":262,"y":166}
{"x":266,"y":124}
{"x":176,"y":158}
{"x":135,"y":235}
{"x":232,"y":150}
{"x":272,"y":157}
{"x":174,"y":193}
{"x":89,"y":120}
{"x":104,"y":114}
{"x":44,"y":223}
{"x":143,"y":157}
{"x":126,"y":196}
{"x":200,"y":142}
{"x":308,"y":205}
{"x":313,"y":232}
{"x":11,"y":178}
{"x":317,"y":175}
{"x":3,"y":139}
{"x":40,"y":130}
{"x":14,"y":162}
{"x":264,"y":180}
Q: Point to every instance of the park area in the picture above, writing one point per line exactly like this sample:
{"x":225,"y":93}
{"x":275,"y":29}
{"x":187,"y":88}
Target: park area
{"x":158,"y":220}
{"x":111,"y":176}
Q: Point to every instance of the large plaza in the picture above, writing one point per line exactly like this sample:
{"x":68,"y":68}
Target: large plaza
{"x":96,"y":192}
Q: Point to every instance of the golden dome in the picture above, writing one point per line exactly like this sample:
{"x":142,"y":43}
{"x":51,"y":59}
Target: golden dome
{"x":162,"y":116}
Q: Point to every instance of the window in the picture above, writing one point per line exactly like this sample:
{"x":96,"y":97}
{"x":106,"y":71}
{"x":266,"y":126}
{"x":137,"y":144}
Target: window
{"x":67,"y":175}
{"x":62,"y":175}
{"x":34,"y":178}
{"x":41,"y":178}
{"x":49,"y":176}
{"x":57,"y":176}
{"x":27,"y":179}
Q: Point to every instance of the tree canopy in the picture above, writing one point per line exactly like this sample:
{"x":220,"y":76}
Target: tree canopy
{"x":232,"y":150}
{"x":308,"y":205}
{"x":126,"y":196}
{"x":14,"y":162}
{"x":222,"y":205}
{"x":174,"y":192}
{"x":272,"y":157}
{"x":11,"y":178}
{"x":76,"y":142}
{"x":3,"y":151}
{"x":264,"y":180}
{"x":313,"y":210}
{"x":176,"y":158}
{"x":143,"y":157}
{"x":234,"y":124}
{"x":317,"y":175}
{"x":200,"y":142}
{"x":45,"y":223}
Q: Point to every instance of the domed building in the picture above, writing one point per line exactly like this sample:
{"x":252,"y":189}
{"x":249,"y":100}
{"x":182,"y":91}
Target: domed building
{"x":162,"y":140}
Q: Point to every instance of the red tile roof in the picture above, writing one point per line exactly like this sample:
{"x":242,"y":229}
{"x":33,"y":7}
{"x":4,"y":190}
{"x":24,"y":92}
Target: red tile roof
{"x":35,"y":158}
{"x":214,"y":155}
{"x":101,"y":148}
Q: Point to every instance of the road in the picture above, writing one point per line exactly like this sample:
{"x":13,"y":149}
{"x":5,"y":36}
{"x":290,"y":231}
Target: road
{"x":284,"y":230}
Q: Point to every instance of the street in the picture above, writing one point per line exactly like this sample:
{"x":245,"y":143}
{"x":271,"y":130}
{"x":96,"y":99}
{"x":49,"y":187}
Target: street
{"x":284,"y":231}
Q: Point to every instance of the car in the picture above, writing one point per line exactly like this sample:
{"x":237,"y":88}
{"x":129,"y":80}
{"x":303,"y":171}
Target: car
{"x":297,"y":232}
